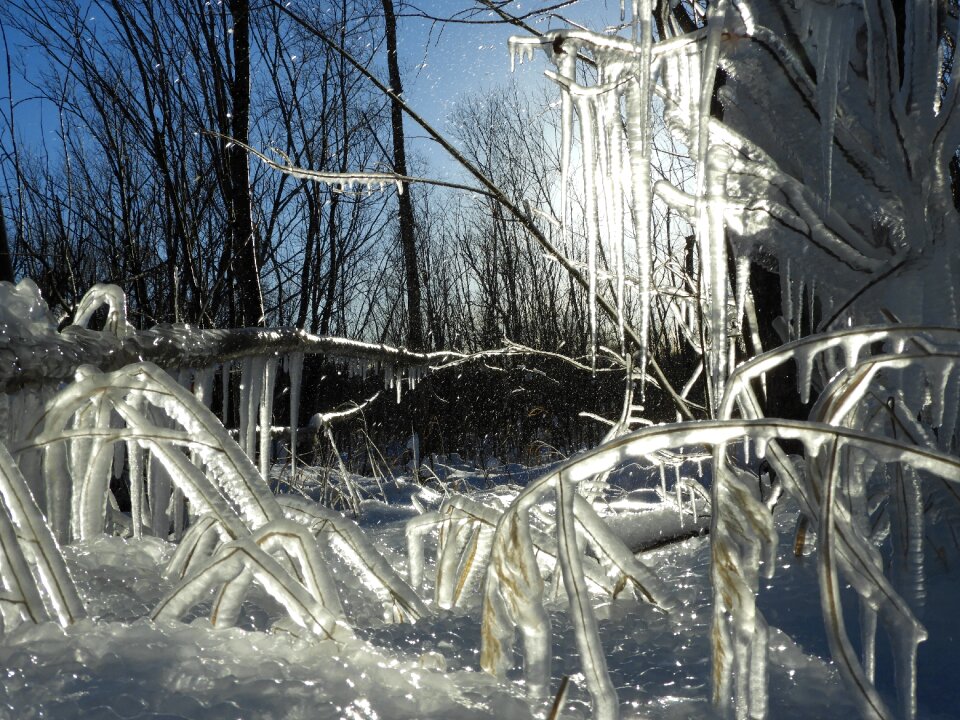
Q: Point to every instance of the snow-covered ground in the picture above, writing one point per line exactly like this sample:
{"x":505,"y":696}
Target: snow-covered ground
{"x":116,"y":664}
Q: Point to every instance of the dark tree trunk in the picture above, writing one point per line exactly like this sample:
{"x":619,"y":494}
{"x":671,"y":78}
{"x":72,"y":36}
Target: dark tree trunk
{"x":333,"y":270}
{"x":246,"y":261}
{"x":6,"y":264}
{"x":407,"y":237}
{"x":782,"y":397}
{"x":305,"y":275}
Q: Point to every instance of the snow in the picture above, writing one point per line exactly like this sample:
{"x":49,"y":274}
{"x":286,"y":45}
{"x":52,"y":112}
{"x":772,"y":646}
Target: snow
{"x":119,"y":664}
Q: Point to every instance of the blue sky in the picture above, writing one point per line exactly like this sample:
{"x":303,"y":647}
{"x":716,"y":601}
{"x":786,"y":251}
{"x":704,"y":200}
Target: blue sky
{"x":446,"y":64}
{"x":442,"y":64}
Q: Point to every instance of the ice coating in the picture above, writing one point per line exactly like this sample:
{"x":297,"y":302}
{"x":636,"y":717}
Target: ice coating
{"x":877,"y":206}
{"x":832,"y":24}
{"x":24,"y":528}
{"x":842,"y":403}
{"x":351,"y":544}
{"x":266,"y":415}
{"x":115,"y":300}
{"x":714,"y":268}
{"x":295,"y":369}
{"x":615,"y":148}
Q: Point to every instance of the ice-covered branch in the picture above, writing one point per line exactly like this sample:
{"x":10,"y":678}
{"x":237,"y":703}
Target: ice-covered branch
{"x":54,"y":357}
{"x":346,"y":182}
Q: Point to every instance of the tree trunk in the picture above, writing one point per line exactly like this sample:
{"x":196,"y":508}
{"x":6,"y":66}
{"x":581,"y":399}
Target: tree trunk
{"x":246,"y":261}
{"x":407,"y":238}
{"x":6,"y":264}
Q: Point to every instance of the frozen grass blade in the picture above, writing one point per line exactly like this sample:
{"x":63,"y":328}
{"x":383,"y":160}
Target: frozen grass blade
{"x":28,"y":541}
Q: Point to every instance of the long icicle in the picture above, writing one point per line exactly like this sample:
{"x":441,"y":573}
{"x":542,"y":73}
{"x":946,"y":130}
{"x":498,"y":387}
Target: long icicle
{"x":638,"y":138}
{"x":296,"y":379}
{"x":710,"y":194}
{"x":266,"y":416}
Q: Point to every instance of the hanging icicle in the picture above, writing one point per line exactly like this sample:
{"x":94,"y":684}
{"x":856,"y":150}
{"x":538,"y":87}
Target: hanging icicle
{"x":295,"y":367}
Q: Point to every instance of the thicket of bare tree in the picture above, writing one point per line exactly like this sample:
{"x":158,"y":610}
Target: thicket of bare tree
{"x":148,"y":185}
{"x":146,"y":189}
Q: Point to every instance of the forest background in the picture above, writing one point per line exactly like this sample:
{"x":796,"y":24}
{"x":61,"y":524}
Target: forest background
{"x":118,"y":166}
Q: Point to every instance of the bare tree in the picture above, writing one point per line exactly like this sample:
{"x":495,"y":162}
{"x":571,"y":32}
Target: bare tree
{"x":406,"y":219}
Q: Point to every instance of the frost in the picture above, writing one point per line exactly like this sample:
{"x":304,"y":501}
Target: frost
{"x":825,"y":152}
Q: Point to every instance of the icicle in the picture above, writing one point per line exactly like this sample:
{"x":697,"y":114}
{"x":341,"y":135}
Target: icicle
{"x":832,"y":27}
{"x":588,"y":131}
{"x":907,"y":535}
{"x":638,"y":140}
{"x":757,"y":675}
{"x":243,"y":404}
{"x":851,"y":347}
{"x":638,"y":143}
{"x":521,"y":47}
{"x":179,"y":514}
{"x":804,"y":358}
{"x":761,"y":448}
{"x":266,"y":416}
{"x":786,"y":299}
{"x":743,"y":284}
{"x":712,"y":164}
{"x":203,"y":385}
{"x":951,"y":407}
{"x":225,"y":391}
{"x":938,"y":375}
{"x":251,"y":387}
{"x":678,"y":492}
{"x":713,"y":252}
{"x":798,"y":295}
{"x":135,"y":456}
{"x":868,"y":638}
{"x":609,"y":177}
{"x":295,"y":363}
